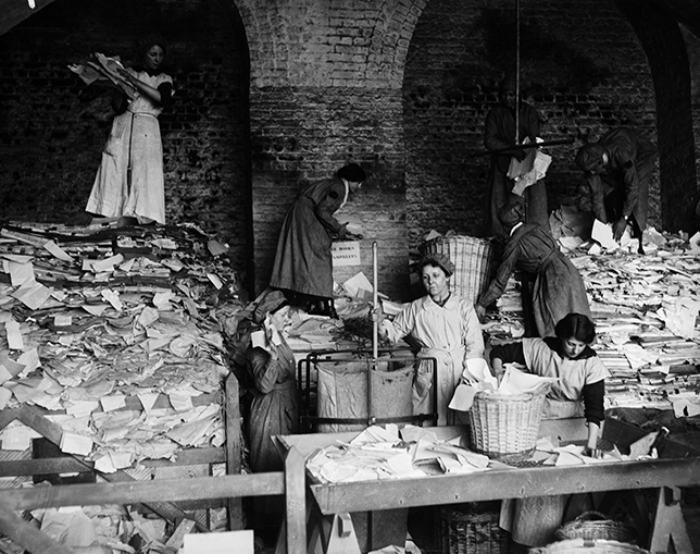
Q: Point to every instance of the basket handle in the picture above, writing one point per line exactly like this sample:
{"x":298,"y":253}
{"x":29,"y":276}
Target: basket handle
{"x":593,"y":515}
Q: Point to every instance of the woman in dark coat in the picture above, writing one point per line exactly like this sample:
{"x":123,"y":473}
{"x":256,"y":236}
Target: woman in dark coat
{"x":274,"y":410}
{"x":618,"y":169}
{"x":499,"y":132}
{"x":558,"y":289}
{"x":303,"y":266}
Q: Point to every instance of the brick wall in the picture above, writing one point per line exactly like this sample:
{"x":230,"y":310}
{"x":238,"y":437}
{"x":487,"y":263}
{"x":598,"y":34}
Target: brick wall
{"x":329,"y":93}
{"x":273,"y":95}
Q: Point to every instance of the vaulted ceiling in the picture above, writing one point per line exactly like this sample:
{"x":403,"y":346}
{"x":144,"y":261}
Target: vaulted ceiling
{"x":15,"y":11}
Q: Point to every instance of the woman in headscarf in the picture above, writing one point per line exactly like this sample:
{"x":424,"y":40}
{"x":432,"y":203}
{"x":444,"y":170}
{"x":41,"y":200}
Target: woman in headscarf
{"x":558,"y":287}
{"x":445,"y":327}
{"x":129,"y":181}
{"x":303,"y":266}
{"x":270,"y":366}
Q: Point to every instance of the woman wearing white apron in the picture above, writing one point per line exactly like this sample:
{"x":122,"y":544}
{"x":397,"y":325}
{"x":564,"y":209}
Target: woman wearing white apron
{"x":446,"y":328}
{"x":579,"y":392}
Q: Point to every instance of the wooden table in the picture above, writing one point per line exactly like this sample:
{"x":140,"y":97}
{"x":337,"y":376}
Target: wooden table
{"x":336,"y":501}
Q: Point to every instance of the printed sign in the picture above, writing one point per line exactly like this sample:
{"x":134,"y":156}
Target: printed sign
{"x":346,"y":253}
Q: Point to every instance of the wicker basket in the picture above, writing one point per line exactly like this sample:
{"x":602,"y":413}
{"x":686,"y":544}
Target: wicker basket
{"x":595,"y":525}
{"x":473,"y":259}
{"x":471,"y":533}
{"x":506,"y":425}
{"x":582,"y":546}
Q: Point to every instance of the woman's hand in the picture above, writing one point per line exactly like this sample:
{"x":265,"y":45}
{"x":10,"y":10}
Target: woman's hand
{"x":619,"y":228}
{"x":480,"y":311}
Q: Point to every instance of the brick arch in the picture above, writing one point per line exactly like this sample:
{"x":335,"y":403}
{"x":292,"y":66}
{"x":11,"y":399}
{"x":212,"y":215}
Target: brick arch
{"x":326,"y":44}
{"x":663,"y":43}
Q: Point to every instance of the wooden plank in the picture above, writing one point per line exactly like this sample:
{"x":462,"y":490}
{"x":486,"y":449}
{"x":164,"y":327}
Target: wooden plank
{"x":165,"y":490}
{"x":233,"y":448}
{"x":43,"y":466}
{"x":295,"y":491}
{"x":26,"y":535}
{"x":499,"y":484}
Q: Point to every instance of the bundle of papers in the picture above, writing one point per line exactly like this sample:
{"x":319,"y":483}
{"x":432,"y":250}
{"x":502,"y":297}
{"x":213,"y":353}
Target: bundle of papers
{"x":377,"y":454}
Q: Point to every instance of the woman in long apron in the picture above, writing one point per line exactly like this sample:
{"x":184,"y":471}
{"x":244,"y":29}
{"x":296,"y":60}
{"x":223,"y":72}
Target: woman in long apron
{"x":446,"y":327}
{"x":579,"y":391}
{"x":130,"y":182}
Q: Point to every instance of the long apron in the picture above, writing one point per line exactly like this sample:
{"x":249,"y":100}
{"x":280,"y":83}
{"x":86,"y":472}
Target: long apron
{"x":532,"y":521}
{"x":449,"y":373}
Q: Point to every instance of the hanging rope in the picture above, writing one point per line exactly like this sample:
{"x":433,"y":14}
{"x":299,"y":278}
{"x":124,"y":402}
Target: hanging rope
{"x":517,"y":72}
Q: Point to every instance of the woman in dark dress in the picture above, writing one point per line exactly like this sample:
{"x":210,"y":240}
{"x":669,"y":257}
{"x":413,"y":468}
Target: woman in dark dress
{"x":558,"y":287}
{"x":270,"y":367}
{"x":303,"y":266}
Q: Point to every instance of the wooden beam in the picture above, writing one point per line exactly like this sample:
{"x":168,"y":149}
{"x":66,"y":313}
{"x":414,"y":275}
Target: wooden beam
{"x":156,"y":491}
{"x":295,"y":491}
{"x":499,"y":484}
{"x":26,"y":535}
{"x":233,"y":447}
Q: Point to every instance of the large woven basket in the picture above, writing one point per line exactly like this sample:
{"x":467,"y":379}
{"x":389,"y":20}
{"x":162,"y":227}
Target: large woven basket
{"x":506,"y":425}
{"x":594,"y":525}
{"x":473,"y":259}
{"x":471,"y":533}
{"x":582,"y":546}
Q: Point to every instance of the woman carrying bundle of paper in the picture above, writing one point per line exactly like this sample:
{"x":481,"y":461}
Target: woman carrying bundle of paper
{"x":129,"y":182}
{"x":579,"y":391}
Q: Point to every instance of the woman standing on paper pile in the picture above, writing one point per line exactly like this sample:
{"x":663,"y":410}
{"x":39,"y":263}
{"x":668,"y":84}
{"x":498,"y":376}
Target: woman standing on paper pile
{"x":446,"y":328}
{"x":129,"y":181}
{"x":270,"y":367}
{"x":303,"y":266}
{"x":499,"y":133}
{"x":558,"y":289}
{"x":580,"y":391}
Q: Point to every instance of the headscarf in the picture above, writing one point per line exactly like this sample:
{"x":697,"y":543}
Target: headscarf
{"x":511,"y":214}
{"x":269,"y":304}
{"x":441,"y":260}
{"x":589,"y":158}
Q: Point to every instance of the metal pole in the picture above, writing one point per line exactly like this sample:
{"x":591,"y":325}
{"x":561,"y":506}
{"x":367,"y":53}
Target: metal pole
{"x":375,"y":336}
